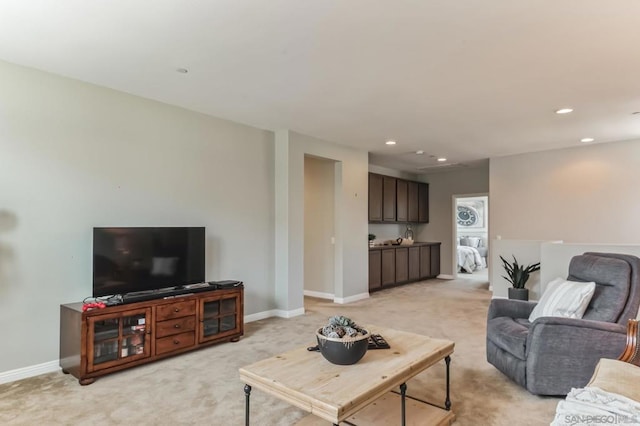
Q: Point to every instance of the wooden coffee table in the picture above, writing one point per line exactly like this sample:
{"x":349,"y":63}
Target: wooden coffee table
{"x":346,"y":393}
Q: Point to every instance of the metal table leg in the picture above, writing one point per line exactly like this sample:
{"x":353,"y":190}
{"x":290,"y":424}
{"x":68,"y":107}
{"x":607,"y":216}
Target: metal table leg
{"x":403,"y":393}
{"x":447,"y":401}
{"x":247,"y":393}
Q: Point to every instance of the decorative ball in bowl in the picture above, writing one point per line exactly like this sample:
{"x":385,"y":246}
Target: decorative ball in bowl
{"x":342,"y":342}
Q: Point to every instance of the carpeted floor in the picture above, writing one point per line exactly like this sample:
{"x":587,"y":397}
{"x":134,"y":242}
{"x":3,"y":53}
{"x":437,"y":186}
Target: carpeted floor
{"x":203,"y":388}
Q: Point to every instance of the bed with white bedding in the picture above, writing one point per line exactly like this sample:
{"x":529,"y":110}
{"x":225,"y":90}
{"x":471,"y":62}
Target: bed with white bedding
{"x":469,"y":259}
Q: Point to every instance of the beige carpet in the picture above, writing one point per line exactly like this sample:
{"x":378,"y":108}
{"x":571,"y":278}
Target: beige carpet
{"x":203,"y":388}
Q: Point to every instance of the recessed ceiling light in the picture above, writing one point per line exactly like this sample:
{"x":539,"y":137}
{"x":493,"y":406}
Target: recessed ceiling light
{"x":420,"y":152}
{"x":182,"y":70}
{"x":587,"y":140}
{"x":390,"y":142}
{"x":442,"y":159}
{"x":564,"y":110}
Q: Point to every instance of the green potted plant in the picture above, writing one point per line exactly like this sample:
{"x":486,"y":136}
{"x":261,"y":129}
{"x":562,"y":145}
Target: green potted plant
{"x":518,"y":275}
{"x":371,"y":238}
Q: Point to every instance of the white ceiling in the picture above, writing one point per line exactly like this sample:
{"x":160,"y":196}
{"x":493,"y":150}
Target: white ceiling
{"x":462,"y":79}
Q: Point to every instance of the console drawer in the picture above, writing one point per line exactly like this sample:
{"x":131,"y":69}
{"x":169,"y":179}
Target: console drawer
{"x":175,"y":326}
{"x":175,"y":310}
{"x":173,"y":343}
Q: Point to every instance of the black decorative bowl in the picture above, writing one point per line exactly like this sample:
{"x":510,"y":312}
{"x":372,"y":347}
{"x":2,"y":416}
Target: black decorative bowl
{"x":345,"y":351}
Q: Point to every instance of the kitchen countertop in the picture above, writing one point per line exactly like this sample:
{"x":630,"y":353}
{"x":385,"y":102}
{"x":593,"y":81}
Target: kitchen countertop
{"x":415,"y":243}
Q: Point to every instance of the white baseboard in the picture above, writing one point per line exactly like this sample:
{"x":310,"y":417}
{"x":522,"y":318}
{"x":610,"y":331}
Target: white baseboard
{"x":289,"y":314}
{"x":350,"y":299}
{"x":280,"y":313}
{"x":30,"y":371}
{"x":339,"y":300}
{"x":318,"y":294}
{"x":445,"y":277}
{"x":259,"y":316}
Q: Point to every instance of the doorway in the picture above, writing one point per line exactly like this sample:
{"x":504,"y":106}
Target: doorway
{"x":319,"y":227}
{"x":471,"y":236}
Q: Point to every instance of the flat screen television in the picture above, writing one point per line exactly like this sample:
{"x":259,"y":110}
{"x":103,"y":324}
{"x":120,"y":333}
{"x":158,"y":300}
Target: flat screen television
{"x":127,"y":260}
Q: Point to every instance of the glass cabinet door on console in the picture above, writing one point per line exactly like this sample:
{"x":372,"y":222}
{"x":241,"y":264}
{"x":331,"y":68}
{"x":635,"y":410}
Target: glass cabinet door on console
{"x":218,"y":317}
{"x":118,"y":338}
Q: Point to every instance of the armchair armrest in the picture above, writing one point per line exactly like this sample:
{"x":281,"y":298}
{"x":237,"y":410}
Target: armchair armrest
{"x":580,"y":323}
{"x":562,"y":352}
{"x":510,"y":308}
{"x":577,"y":335}
{"x":556,"y":327}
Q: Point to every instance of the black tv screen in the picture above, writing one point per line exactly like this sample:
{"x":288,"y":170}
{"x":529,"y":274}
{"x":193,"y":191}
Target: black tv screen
{"x":127,"y":260}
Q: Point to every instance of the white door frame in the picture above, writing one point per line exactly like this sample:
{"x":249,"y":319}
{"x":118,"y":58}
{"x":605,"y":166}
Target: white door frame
{"x":454,"y":229}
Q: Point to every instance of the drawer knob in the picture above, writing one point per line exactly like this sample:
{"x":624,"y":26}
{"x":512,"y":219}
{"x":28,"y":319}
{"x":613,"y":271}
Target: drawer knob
{"x":177,"y":326}
{"x":176,"y":310}
{"x":176,"y":342}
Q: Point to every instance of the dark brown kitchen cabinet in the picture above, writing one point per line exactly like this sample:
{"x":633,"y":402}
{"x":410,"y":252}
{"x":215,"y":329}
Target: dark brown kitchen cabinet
{"x":435,"y":261}
{"x":402,"y":201}
{"x":425,"y":261}
{"x":393,"y":200}
{"x":394,"y":265}
{"x":423,"y":202}
{"x":402,"y":265}
{"x":388,"y":199}
{"x":375,"y":269}
{"x":414,"y":263}
{"x":412,"y":202}
{"x":388,"y":266}
{"x":375,"y":197}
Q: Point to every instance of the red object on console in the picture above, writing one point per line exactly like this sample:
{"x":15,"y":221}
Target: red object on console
{"x":93,"y":305}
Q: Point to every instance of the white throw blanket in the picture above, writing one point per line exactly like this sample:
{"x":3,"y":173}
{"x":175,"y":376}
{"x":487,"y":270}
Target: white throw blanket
{"x":593,"y":406}
{"x":469,"y":259}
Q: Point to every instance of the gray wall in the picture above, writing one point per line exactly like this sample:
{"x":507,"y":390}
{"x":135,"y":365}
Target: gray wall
{"x":351,"y":249}
{"x":75,"y":156}
{"x":442,"y":187}
{"x":583,"y":194}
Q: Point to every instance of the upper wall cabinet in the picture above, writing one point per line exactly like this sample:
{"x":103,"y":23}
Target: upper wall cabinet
{"x":389,"y":199}
{"x":393,"y":200}
{"x":402,"y":201}
{"x":423,"y":202}
{"x":375,"y":198}
{"x":412,"y":201}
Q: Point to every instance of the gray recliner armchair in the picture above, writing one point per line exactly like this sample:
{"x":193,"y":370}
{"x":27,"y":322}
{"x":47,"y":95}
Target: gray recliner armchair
{"x":551,"y":355}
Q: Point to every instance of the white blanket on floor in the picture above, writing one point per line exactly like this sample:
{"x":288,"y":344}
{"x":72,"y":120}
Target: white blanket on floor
{"x":469,"y":259}
{"x":593,"y":406}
